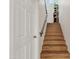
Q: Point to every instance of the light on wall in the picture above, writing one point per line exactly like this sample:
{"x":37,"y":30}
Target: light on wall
{"x":55,"y":1}
{"x":50,"y":1}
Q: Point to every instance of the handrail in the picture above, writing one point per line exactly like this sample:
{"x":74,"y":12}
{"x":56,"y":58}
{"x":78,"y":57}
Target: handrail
{"x":45,"y":6}
{"x":43,"y":26}
{"x":45,"y":20}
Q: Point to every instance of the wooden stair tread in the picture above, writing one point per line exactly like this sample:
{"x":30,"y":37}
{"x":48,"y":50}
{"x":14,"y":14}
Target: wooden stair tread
{"x":53,"y":33}
{"x":55,"y":48}
{"x":54,"y":45}
{"x":50,"y":50}
{"x":54,"y":37}
{"x":54,"y":42}
{"x":52,"y":30}
{"x":53,"y":24}
{"x":55,"y":58}
{"x":55,"y":54}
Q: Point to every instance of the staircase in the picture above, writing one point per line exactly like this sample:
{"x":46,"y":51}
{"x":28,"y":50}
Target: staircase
{"x":54,"y":46}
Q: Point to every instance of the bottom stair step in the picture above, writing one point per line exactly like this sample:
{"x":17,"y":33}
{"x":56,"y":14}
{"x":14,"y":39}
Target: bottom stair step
{"x":55,"y":55}
{"x":56,"y":58}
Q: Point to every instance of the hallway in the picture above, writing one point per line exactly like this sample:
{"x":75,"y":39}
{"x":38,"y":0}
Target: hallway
{"x":54,"y":45}
{"x":36,"y":31}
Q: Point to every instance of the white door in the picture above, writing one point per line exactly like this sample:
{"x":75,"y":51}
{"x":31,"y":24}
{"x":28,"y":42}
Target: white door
{"x":20,"y":31}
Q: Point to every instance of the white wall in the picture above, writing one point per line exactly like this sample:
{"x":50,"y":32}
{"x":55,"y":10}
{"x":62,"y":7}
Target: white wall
{"x":64,"y":19}
{"x":41,"y":18}
{"x":38,"y":18}
{"x":41,"y":13}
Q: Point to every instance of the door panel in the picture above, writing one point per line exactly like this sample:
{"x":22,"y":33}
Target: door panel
{"x":21,"y":32}
{"x":23,"y":53}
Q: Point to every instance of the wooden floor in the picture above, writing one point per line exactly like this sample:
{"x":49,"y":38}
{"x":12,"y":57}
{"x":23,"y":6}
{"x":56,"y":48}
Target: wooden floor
{"x":54,"y":46}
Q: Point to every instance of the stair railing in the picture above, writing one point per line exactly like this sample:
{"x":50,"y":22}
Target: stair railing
{"x":42,"y":30}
